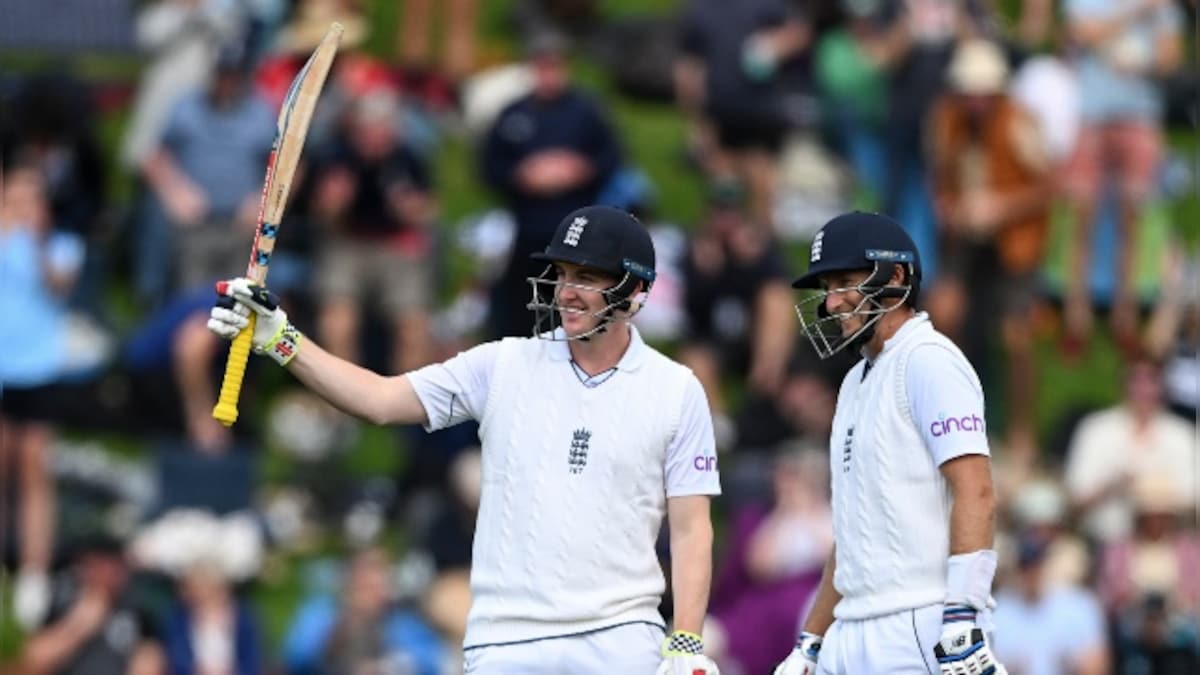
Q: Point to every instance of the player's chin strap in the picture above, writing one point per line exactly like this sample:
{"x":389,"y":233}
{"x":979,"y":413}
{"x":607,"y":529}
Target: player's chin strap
{"x":548,"y":312}
{"x":824,"y":330}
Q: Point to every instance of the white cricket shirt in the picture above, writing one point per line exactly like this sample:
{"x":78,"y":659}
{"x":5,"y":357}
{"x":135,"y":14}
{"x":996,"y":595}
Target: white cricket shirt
{"x":575,"y":481}
{"x":917,"y":405}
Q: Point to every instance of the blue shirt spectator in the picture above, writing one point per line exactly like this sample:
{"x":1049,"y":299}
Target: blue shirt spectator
{"x":33,"y":349}
{"x":402,"y":638}
{"x":180,"y":634}
{"x":1118,"y":76}
{"x":1043,"y":635}
{"x":221,"y":148}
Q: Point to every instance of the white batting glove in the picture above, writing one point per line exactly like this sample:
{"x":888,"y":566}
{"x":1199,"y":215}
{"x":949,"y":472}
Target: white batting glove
{"x":803,"y":659}
{"x":683,"y":654}
{"x":962,"y":649}
{"x":273,"y":335}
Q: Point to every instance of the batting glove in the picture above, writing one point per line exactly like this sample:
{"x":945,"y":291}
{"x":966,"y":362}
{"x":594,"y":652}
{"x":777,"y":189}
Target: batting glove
{"x":803,"y":659}
{"x":962,"y":649}
{"x":273,"y":335}
{"x":683,"y":654}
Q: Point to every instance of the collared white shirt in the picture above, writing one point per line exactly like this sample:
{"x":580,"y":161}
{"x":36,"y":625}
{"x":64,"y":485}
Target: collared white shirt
{"x":456,"y":390}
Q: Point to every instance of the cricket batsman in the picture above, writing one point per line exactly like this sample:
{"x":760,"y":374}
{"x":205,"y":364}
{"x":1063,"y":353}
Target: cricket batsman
{"x":590,"y":438}
{"x":907,"y":588}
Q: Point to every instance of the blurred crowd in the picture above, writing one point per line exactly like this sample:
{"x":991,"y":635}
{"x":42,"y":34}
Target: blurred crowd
{"x":1023,"y":144}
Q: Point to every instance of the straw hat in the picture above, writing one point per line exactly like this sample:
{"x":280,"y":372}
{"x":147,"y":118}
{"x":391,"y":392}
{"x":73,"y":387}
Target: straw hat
{"x":312,"y":20}
{"x":979,"y":67}
{"x":1158,"y":493}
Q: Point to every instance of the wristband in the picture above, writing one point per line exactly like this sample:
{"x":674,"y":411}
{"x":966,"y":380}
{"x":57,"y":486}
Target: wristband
{"x":682,"y":642}
{"x":969,"y":579}
{"x":809,"y":644}
{"x":284,"y":345}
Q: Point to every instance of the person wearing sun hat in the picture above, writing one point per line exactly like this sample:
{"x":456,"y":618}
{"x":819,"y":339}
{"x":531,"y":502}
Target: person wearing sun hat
{"x":992,"y":195}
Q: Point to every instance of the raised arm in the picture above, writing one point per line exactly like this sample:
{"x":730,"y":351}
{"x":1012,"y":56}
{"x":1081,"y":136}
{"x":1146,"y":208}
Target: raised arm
{"x":356,"y":390}
{"x":348,"y":387}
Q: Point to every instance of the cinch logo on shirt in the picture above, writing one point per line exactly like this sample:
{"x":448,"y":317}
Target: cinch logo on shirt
{"x":574,"y":231}
{"x":947,"y":425}
{"x":701,"y":463}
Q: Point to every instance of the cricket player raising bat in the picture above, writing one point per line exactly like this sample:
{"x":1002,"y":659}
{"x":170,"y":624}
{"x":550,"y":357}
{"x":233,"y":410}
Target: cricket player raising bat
{"x":589,"y":438}
{"x":908,"y":586}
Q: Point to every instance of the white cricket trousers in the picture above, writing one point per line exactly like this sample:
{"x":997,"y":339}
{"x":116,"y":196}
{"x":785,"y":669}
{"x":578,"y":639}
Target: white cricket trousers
{"x":630,"y":649}
{"x":892,"y":644}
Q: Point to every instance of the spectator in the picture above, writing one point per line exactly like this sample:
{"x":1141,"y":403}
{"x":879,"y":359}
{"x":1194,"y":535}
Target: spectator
{"x":1112,"y":448}
{"x":210,"y":631}
{"x":373,"y":205}
{"x":38,"y":268}
{"x":771,"y":567}
{"x":354,"y":73}
{"x":1038,"y":511}
{"x":1159,"y":557}
{"x":913,"y":42}
{"x":181,"y":39}
{"x":993,"y":206}
{"x":423,"y":77}
{"x":854,"y":92}
{"x":738,"y":302}
{"x":1045,"y":629}
{"x":1174,"y":333}
{"x":56,"y":132}
{"x":94,"y":627}
{"x":1154,"y":639}
{"x":364,"y":631}
{"x":207,"y":171}
{"x":547,"y":153}
{"x":1120,"y":48}
{"x":452,"y":530}
{"x":194,"y":354}
{"x":738,"y":59}
{"x":450,"y":540}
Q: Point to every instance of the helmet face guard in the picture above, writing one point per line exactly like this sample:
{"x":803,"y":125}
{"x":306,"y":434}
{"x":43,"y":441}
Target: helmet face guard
{"x":547,"y":310}
{"x":824,"y":330}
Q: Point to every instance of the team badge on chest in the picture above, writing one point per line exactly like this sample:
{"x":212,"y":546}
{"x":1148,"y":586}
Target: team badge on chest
{"x":577,"y":455}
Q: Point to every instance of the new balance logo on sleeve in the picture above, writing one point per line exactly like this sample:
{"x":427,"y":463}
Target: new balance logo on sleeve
{"x":577,"y":456}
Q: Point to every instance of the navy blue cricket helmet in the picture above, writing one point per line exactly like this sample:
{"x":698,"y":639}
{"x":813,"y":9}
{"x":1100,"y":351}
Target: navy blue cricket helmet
{"x":857,"y":241}
{"x":851,"y":242}
{"x":603,"y":238}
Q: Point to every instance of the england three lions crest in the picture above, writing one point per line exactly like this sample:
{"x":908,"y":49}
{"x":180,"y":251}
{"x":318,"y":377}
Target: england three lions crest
{"x":577,"y":455}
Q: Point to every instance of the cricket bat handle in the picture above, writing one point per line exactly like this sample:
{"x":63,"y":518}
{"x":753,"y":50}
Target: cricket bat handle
{"x":226,"y":411}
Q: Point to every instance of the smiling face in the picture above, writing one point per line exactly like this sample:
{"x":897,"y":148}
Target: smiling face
{"x":580,"y":298}
{"x":843,"y":298}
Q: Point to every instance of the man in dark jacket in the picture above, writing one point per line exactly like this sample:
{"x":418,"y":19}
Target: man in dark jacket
{"x":548,"y":153}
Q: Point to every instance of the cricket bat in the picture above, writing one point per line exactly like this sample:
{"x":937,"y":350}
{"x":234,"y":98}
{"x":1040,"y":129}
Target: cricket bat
{"x":290,"y":131}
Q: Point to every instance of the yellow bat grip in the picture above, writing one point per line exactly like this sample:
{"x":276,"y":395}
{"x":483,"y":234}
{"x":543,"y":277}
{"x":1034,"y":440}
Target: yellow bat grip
{"x":226,"y":410}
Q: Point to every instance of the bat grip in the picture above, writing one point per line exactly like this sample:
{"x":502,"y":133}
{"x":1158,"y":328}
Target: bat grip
{"x":226,"y":410}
